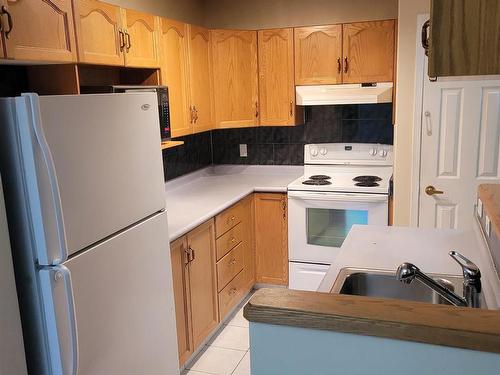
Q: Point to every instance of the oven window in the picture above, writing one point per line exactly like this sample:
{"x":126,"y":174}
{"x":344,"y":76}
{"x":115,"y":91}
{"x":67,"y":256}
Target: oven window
{"x":329,"y":227}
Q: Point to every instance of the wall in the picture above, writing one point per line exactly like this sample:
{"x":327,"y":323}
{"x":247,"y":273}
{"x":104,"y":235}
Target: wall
{"x":260,"y":14}
{"x":183,"y":10}
{"x":297,"y":351}
{"x":405,"y":104}
{"x":268,"y":145}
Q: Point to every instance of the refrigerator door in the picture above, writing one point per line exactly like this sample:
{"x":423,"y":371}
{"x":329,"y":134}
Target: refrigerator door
{"x":113,"y":306}
{"x":98,"y":164}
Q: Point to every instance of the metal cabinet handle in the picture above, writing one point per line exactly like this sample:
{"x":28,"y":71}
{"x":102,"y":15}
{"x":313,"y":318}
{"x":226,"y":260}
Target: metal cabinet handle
{"x":232,"y":262}
{"x":191,"y":114}
{"x":122,"y":39}
{"x":283,"y":203}
{"x":425,"y":36}
{"x":187,"y":255}
{"x":339,"y":66}
{"x":195,"y":114}
{"x":10,"y":22}
{"x":256,"y":109}
{"x":431,"y":190}
{"x":232,"y":291}
{"x":233,"y":239}
{"x":291,"y":108}
{"x":346,"y":65}
{"x":129,"y":43}
{"x":428,"y":123}
{"x":193,"y":254}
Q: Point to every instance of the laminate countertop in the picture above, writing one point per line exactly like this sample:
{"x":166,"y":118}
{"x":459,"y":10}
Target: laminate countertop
{"x":385,"y":248}
{"x":199,"y":196}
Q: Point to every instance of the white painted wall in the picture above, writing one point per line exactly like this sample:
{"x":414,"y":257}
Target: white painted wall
{"x":12,"y":360}
{"x":298,"y":351}
{"x":405,"y":103}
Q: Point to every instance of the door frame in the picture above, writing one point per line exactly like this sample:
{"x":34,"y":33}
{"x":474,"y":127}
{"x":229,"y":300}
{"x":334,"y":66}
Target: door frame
{"x":417,"y":123}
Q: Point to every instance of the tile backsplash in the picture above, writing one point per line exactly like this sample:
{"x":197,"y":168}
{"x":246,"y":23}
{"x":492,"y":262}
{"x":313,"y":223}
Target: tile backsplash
{"x":276,"y":145}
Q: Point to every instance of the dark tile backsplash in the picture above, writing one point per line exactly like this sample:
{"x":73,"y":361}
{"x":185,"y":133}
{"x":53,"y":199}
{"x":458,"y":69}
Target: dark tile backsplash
{"x":275,"y":145}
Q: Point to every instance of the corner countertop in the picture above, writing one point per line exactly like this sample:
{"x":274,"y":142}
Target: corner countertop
{"x":385,"y":248}
{"x":199,"y":196}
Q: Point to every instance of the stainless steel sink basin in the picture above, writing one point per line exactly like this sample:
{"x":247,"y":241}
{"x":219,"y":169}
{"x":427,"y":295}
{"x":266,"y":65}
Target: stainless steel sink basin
{"x":383,"y":284}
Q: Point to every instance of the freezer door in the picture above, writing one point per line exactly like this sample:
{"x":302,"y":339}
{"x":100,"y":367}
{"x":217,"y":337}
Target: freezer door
{"x":98,"y":161}
{"x":123,"y":310}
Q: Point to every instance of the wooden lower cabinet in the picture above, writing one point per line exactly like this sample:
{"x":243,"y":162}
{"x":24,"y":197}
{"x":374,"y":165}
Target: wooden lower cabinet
{"x":195,"y":287}
{"x":271,"y":238}
{"x":180,"y":276}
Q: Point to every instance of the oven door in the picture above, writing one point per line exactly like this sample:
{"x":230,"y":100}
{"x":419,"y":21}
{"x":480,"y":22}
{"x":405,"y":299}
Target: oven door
{"x":318,"y":222}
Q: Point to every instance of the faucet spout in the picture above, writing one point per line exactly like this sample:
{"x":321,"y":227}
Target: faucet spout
{"x":407,"y":272}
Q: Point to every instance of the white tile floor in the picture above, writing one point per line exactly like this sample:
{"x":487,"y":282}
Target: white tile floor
{"x":226,"y":354}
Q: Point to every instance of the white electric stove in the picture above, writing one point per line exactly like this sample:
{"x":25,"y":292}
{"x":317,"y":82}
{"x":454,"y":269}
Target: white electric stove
{"x":343,"y":184}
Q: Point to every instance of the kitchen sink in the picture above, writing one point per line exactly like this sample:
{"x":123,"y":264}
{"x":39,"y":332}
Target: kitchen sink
{"x":383,"y":284}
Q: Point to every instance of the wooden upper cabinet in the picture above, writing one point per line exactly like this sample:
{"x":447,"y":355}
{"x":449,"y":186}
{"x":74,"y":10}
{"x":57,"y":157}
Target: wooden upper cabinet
{"x":271,"y":238}
{"x":369,"y":51}
{"x":318,"y":55}
{"x":236,"y":94}
{"x":276,"y":77}
{"x":203,"y":281}
{"x":141,"y":38}
{"x":174,"y":74}
{"x":98,"y":30}
{"x":42,"y":30}
{"x":464,"y":38}
{"x":201,"y":84}
{"x":180,"y":277}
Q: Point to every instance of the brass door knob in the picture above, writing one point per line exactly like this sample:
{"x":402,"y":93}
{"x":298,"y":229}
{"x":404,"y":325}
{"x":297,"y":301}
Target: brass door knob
{"x":431,"y":190}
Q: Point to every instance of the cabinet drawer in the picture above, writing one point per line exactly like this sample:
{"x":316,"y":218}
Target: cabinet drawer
{"x":229,"y":266}
{"x":231,"y":294}
{"x":229,"y":240}
{"x":228,"y":219}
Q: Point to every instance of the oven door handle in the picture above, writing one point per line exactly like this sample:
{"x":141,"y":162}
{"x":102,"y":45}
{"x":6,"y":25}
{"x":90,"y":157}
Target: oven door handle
{"x":339,"y":197}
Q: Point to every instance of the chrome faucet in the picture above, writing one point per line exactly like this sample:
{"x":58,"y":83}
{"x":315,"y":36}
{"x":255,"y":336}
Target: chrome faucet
{"x":407,"y":272}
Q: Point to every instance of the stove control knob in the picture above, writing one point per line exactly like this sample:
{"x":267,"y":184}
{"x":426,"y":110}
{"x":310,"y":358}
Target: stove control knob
{"x":313,"y":151}
{"x":383,"y":153}
{"x":373,"y":151}
{"x":323,"y":151}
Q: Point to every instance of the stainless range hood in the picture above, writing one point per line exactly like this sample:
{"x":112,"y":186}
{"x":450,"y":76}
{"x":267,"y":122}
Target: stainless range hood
{"x":344,"y":94}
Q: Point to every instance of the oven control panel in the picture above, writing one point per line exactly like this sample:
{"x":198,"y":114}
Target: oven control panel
{"x":352,"y":153}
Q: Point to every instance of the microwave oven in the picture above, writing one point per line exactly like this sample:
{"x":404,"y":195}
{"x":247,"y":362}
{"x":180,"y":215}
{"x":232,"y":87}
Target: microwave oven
{"x":161,"y":92}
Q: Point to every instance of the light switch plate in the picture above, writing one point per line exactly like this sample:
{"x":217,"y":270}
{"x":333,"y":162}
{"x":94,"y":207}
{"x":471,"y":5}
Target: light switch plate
{"x":243,"y":150}
{"x":479,"y":208}
{"x":488,"y":226}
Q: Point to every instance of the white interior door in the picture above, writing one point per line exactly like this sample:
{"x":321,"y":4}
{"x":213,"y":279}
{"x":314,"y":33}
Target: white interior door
{"x":460,"y":148}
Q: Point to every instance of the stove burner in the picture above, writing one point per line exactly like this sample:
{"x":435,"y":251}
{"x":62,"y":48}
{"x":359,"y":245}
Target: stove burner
{"x":320,"y":177}
{"x":367,"y":179}
{"x":366,"y":184}
{"x":316,"y":182}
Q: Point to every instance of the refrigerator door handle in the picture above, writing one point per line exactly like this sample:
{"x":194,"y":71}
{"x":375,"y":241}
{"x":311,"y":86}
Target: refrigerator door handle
{"x":56,"y":281}
{"x":51,"y":172}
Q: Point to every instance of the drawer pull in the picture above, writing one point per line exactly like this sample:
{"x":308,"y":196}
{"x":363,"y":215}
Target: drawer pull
{"x":233,"y":239}
{"x":233,"y":218}
{"x":232,"y":291}
{"x":232,"y":262}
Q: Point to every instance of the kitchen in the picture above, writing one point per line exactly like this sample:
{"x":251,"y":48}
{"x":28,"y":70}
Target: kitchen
{"x":291,"y":135}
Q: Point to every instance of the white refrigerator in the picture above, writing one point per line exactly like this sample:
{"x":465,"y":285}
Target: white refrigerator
{"x":83,"y":178}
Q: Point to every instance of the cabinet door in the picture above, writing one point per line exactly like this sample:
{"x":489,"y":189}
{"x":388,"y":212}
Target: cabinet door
{"x":248,"y":240}
{"x":276,"y":77}
{"x":203,"y":281}
{"x":42,"y":30}
{"x":98,"y":29}
{"x":271,"y":238}
{"x":141,"y":43}
{"x":180,"y":276}
{"x":369,"y":52}
{"x":200,"y":71}
{"x":235,"y":78}
{"x":318,"y":55}
{"x":174,"y":74}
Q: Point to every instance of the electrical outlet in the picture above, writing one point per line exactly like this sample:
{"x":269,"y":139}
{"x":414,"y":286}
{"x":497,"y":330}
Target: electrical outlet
{"x":479,"y":208}
{"x":243,"y":150}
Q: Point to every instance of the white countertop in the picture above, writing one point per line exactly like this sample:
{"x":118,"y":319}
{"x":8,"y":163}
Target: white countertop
{"x":385,"y":248}
{"x":199,"y":196}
